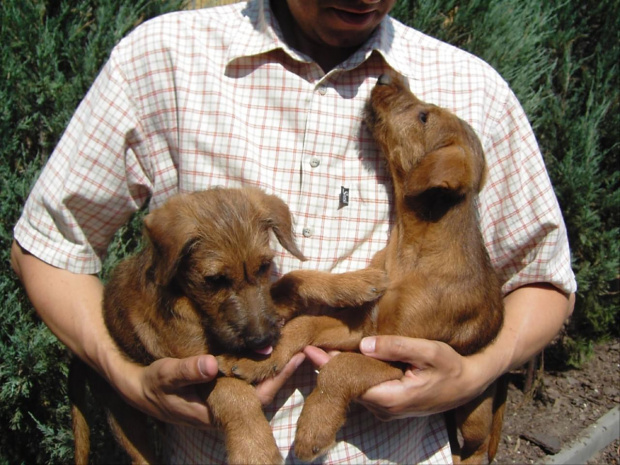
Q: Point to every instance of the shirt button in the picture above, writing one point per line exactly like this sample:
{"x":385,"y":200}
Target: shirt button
{"x":322,"y":90}
{"x":307,"y":232}
{"x":315,"y":161}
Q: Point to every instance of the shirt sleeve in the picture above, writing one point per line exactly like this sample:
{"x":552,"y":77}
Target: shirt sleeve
{"x":521,"y":219}
{"x":97,"y":176}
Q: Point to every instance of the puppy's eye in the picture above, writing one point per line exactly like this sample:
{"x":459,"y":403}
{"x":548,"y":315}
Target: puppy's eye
{"x":423,"y":117}
{"x":264,"y":268}
{"x":217,"y":281}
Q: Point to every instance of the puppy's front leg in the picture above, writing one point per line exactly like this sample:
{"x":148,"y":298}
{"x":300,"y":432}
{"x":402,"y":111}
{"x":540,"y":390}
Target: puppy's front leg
{"x":324,"y":331}
{"x":236,"y":408}
{"x":301,"y":289}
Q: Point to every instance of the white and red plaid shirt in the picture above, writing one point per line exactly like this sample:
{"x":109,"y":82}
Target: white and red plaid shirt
{"x":211,"y":97}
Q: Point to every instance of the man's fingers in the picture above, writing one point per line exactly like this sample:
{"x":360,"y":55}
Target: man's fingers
{"x":317,"y":356}
{"x":420,"y":353}
{"x":174,"y":390}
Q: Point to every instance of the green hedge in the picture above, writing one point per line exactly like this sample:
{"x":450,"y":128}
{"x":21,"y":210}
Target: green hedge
{"x":51,"y":52}
{"x":561,"y":60}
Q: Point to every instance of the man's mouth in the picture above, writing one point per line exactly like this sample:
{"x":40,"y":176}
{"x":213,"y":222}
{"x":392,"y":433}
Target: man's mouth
{"x":355,"y":18}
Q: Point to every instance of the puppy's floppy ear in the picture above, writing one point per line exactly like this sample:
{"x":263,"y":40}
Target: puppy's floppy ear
{"x":278,"y":218}
{"x":170,"y":233}
{"x":447,"y":168}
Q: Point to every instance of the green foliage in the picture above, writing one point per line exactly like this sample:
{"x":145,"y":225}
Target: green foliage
{"x":561,"y":61}
{"x":51,"y":52}
{"x":581,"y":144}
{"x":508,"y":34}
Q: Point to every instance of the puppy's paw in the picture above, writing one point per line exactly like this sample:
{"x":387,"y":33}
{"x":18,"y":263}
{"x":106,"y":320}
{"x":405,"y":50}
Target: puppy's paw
{"x":307,"y":448}
{"x":252,"y":371}
{"x":312,"y":441}
{"x":373,"y":283}
{"x":317,"y":426}
{"x":226,"y":365}
{"x":357,"y":287}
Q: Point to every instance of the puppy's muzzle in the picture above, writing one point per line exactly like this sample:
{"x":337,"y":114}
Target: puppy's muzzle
{"x":261,"y":344}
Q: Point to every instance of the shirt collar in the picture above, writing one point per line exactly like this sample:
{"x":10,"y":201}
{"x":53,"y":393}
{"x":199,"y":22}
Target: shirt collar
{"x":389,"y":45}
{"x":260,"y":34}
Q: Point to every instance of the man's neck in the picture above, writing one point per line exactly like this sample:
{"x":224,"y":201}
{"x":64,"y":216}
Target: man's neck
{"x":325,"y":56}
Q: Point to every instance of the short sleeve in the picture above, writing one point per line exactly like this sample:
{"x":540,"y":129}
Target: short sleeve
{"x":97,"y":176}
{"x":521,"y":219}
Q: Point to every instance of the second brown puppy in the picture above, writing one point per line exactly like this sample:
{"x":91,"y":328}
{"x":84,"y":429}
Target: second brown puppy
{"x":442,"y":285}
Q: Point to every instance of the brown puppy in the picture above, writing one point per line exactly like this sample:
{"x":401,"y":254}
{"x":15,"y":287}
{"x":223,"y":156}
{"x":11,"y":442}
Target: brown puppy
{"x":202,"y":285}
{"x":442,"y":286}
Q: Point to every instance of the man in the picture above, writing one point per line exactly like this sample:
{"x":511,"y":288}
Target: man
{"x":271,"y":94}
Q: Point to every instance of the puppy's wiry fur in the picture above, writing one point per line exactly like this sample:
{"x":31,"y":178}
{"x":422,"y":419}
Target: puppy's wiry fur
{"x":202,"y":285}
{"x":441,"y":283}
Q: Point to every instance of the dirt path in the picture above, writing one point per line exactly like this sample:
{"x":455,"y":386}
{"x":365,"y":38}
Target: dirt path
{"x":565,"y":404}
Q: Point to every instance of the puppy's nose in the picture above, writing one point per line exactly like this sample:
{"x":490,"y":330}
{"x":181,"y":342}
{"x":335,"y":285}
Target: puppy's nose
{"x":385,"y":80}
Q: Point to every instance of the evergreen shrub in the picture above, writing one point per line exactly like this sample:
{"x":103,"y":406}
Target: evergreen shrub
{"x":51,"y":52}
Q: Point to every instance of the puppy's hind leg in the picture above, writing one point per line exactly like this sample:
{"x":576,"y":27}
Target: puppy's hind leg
{"x":453,"y":436}
{"x":236,"y":408}
{"x":499,"y":407}
{"x":131,"y":430}
{"x":78,"y":372}
{"x":129,"y":426}
{"x":475,"y":421}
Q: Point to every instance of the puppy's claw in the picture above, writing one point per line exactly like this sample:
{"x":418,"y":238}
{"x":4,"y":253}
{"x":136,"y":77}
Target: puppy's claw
{"x":378,"y":282}
{"x":309,"y":453}
{"x":227,"y":366}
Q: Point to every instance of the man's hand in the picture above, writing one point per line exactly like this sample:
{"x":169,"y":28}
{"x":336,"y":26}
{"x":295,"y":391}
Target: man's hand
{"x":173,"y":390}
{"x":170,"y":390}
{"x":437,"y":378}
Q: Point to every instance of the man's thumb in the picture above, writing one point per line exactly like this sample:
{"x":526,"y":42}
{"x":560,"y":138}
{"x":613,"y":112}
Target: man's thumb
{"x":191,"y":370}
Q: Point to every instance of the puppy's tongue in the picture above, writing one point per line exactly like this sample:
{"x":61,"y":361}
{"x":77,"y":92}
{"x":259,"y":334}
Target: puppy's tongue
{"x":265,"y":350}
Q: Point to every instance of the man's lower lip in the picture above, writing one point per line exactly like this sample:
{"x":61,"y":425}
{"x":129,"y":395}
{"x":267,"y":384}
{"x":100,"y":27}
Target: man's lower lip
{"x":357,"y":19}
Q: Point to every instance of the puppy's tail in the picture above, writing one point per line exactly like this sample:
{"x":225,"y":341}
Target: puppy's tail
{"x":80,"y":422}
{"x":499,"y":406}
